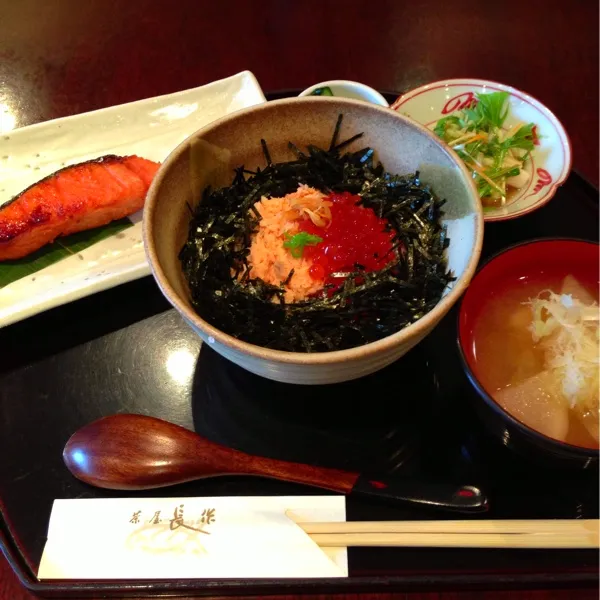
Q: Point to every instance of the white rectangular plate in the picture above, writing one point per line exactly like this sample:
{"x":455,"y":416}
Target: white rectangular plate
{"x":150,"y":128}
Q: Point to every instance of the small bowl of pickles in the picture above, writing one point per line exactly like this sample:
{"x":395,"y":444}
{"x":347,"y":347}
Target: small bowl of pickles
{"x":344,"y":88}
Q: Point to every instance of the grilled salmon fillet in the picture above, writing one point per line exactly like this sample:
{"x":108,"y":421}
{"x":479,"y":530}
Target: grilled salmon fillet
{"x":76,"y":198}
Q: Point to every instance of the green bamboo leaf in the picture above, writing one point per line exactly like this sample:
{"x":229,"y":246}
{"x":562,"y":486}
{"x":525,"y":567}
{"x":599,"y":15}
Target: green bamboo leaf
{"x":13,"y":270}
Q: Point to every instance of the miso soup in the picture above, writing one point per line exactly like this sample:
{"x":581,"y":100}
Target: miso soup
{"x":535,"y":350}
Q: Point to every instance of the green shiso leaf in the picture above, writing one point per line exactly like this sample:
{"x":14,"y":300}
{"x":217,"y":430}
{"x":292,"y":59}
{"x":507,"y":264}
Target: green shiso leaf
{"x":295,"y":243}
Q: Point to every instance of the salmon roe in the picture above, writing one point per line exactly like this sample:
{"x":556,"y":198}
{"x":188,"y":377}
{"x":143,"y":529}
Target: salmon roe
{"x":356,"y":235}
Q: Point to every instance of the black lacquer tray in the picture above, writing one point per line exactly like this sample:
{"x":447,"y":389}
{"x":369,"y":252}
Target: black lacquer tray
{"x":110,"y":352}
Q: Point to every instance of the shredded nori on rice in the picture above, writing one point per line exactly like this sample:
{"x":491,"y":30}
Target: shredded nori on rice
{"x":368,"y":306}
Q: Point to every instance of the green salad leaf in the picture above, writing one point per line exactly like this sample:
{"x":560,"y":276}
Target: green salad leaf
{"x":522,"y":139}
{"x":489,"y":112}
{"x":444,"y":124}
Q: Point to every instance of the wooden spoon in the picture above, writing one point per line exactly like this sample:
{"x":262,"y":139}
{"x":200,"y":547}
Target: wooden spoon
{"x":136,"y":452}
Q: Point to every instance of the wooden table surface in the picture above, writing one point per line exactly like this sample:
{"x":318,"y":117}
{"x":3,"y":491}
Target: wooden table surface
{"x":67,"y":56}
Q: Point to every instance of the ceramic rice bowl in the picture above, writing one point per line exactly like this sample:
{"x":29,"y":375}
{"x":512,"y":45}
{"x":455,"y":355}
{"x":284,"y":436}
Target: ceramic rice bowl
{"x":209,"y":156}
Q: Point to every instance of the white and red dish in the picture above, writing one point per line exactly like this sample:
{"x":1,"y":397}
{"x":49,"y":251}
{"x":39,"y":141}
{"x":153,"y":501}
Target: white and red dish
{"x":551,"y":161}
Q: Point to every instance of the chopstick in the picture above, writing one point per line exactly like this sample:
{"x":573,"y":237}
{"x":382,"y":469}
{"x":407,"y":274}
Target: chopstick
{"x":551,"y":533}
{"x":474,"y":526}
{"x":454,"y":540}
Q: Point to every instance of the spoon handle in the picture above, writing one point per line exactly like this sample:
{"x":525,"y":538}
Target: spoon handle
{"x":442,"y":496}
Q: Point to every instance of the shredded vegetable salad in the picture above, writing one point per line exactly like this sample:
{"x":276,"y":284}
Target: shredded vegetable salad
{"x":496,"y":155}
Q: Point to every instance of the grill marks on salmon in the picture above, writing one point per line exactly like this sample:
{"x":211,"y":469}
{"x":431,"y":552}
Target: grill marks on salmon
{"x":79,"y":197}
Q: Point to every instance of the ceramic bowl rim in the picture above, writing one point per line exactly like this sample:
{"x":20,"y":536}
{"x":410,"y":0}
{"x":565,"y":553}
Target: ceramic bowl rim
{"x":540,"y":106}
{"x":396,"y":339}
{"x":474,"y":380}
